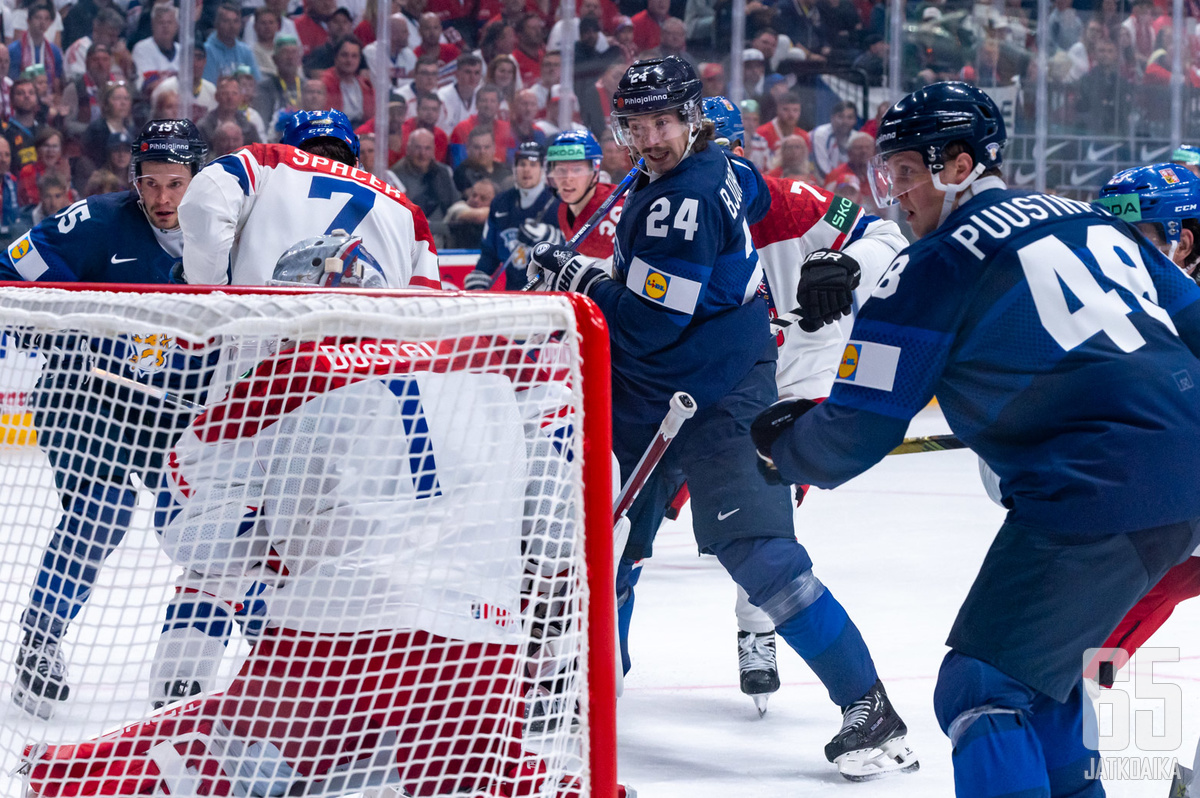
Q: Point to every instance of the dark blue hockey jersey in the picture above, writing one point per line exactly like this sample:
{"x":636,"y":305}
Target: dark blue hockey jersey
{"x":682,"y":312}
{"x":102,"y":239}
{"x":500,"y":231}
{"x":1061,"y":346}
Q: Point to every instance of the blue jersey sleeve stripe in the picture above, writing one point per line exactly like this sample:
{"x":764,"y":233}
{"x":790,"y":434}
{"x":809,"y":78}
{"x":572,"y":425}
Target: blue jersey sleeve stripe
{"x":234,"y":166}
{"x":1181,"y":303}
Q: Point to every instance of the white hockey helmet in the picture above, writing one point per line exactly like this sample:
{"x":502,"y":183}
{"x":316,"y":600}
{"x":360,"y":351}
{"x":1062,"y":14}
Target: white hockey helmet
{"x":336,"y":260}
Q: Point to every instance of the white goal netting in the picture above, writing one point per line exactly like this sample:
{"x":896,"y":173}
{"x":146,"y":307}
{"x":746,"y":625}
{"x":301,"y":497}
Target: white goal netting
{"x":293,"y":544}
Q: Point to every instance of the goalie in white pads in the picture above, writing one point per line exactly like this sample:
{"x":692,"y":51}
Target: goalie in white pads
{"x":378,"y":490}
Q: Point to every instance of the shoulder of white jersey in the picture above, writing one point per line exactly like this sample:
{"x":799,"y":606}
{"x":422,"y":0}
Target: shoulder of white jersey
{"x":802,"y":210}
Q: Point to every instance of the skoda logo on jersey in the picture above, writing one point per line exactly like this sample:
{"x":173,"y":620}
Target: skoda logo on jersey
{"x":656,"y":285}
{"x":19,"y":248}
{"x":849,"y":363}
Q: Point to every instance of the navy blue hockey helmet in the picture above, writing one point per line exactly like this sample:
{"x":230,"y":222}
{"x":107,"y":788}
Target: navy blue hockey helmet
{"x":939,"y":114}
{"x":653,"y":86}
{"x":727,"y":120}
{"x":529,"y":151}
{"x":171,"y":141}
{"x":306,"y":125}
{"x":1163,"y":194}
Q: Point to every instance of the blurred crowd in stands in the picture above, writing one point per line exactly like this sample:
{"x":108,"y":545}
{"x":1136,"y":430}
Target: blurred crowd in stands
{"x":472,"y":79}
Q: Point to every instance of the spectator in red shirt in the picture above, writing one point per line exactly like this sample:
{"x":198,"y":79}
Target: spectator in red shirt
{"x":531,"y":36}
{"x":487,"y":105}
{"x":429,"y":110}
{"x":647,"y":25}
{"x":311,"y":25}
{"x":430,"y":28}
{"x":784,"y":123}
{"x":49,"y":145}
{"x":510,"y":11}
{"x":348,"y":90}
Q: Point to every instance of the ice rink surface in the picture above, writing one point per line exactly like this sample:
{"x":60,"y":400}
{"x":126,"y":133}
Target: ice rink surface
{"x":898,"y":546}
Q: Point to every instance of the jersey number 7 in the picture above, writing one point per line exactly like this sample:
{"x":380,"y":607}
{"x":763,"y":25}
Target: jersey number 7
{"x":362,"y":200}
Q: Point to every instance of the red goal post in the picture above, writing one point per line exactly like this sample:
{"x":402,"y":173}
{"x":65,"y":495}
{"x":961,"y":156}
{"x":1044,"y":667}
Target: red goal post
{"x":283,"y":367}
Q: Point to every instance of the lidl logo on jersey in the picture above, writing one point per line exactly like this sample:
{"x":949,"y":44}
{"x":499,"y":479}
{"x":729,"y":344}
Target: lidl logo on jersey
{"x":656,"y":285}
{"x":869,"y":365}
{"x":842,"y":214}
{"x":19,"y":248}
{"x":669,"y":290}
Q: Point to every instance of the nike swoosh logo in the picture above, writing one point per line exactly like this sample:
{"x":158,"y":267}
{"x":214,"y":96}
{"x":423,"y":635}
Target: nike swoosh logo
{"x":1022,"y":178}
{"x":723,"y":516}
{"x":501,"y":215}
{"x":115,"y":260}
{"x":1094,"y":154}
{"x":1151,"y":156}
{"x":1079,"y":179}
{"x":1051,"y":150}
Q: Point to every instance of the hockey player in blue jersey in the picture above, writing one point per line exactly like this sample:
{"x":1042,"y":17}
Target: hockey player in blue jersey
{"x":1062,"y":349}
{"x":530,"y":200}
{"x":1162,"y":201}
{"x":683,"y":314}
{"x":95,"y":433}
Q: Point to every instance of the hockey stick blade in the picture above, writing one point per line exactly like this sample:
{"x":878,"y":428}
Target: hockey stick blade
{"x":929,"y":443}
{"x":592,"y":222}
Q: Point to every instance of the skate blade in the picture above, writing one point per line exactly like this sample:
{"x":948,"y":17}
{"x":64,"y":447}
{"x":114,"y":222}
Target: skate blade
{"x":760,"y":703}
{"x":867,"y":764}
{"x":34,"y":704}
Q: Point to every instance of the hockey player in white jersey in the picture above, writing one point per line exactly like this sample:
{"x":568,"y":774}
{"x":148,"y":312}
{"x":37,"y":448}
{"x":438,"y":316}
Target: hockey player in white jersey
{"x":804,"y":222}
{"x":244,"y":210}
{"x":378,"y":490}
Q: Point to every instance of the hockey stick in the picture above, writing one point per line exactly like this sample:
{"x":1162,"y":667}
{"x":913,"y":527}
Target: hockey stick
{"x":149,"y":390}
{"x":591,"y":223}
{"x":929,"y":443}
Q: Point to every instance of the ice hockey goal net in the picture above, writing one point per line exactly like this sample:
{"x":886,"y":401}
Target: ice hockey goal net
{"x":342,"y":538}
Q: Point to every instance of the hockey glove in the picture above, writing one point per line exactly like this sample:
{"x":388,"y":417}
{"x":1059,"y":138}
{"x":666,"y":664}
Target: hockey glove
{"x":826,"y":291}
{"x":532,"y":233}
{"x":770,"y":424}
{"x":564,"y":270}
{"x":477,"y":281}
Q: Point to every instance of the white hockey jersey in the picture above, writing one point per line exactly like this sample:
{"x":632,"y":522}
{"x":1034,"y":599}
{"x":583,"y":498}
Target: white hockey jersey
{"x":245,"y":209}
{"x":371,"y":487}
{"x":802,"y":219}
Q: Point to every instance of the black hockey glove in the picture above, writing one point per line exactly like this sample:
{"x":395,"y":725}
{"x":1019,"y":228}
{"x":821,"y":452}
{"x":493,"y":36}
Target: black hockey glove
{"x":770,"y":424}
{"x":532,"y":233}
{"x":564,"y":270}
{"x":826,"y":291}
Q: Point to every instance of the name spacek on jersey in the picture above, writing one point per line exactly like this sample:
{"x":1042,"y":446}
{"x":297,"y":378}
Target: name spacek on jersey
{"x":682,"y":312}
{"x":1093,"y":306}
{"x":245,"y":209}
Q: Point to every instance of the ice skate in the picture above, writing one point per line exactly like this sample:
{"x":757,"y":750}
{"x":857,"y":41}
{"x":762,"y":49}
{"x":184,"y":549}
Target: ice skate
{"x":871,"y":743}
{"x":756,"y":661}
{"x":41,"y":678}
{"x":177,"y":691}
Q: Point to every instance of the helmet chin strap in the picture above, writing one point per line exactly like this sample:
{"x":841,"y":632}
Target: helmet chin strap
{"x":1171,"y":251}
{"x":952,"y":191}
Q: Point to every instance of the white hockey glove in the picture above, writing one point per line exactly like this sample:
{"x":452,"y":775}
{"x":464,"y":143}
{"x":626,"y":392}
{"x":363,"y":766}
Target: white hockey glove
{"x":532,"y":233}
{"x":564,"y":270}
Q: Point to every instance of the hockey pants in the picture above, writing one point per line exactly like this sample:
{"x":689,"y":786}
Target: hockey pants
{"x":1010,"y":740}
